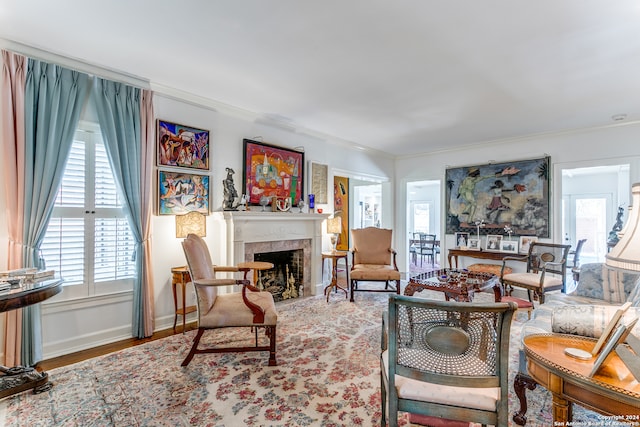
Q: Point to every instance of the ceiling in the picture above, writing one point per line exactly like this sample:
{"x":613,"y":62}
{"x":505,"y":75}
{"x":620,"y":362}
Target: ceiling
{"x":402,"y":77}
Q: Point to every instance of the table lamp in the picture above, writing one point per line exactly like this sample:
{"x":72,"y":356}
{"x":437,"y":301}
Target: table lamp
{"x":334,"y":227}
{"x":191,"y":223}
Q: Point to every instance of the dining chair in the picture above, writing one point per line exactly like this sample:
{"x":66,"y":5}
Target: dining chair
{"x":448,"y":360}
{"x":546,"y":270}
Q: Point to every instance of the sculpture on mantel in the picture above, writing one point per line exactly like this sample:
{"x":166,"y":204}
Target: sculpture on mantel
{"x":231,"y":201}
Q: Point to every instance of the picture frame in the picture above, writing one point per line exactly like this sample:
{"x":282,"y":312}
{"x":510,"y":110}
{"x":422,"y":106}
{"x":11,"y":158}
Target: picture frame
{"x":617,"y":337}
{"x":181,"y":146}
{"x":509,"y":246}
{"x":180,"y":193}
{"x":514,"y":194}
{"x":272,"y":171}
{"x":318,"y":176}
{"x":525,"y":242}
{"x":462,"y":239}
{"x":493,"y":242}
{"x":473,"y":244}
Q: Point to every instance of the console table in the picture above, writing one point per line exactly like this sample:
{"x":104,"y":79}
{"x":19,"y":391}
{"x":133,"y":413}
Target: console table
{"x":612,"y":391}
{"x":453,"y":254}
{"x":20,"y":378}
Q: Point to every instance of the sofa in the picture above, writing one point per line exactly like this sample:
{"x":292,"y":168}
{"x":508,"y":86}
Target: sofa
{"x":586,"y":311}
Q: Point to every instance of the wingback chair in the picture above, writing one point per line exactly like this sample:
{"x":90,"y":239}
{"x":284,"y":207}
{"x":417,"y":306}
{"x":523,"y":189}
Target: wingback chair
{"x":251,"y":308}
{"x":373,"y":260}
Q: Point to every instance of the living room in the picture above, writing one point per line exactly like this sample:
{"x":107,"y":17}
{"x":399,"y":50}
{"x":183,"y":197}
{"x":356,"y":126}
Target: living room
{"x":70,"y":326}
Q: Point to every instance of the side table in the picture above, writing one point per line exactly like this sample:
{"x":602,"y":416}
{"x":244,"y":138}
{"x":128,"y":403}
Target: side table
{"x":612,"y":391}
{"x":180,"y":276}
{"x":334,"y":256}
{"x":257,"y":267}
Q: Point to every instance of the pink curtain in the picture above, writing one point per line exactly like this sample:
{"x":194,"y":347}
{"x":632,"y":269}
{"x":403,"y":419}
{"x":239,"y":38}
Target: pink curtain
{"x":146,"y":182}
{"x":12,"y":110}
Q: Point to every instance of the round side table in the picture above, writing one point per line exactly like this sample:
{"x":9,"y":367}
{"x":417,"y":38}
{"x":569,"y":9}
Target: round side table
{"x":334,"y":256}
{"x":257,"y":267}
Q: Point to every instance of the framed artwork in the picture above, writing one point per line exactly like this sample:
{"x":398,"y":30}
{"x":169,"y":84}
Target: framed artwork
{"x":319,"y":186}
{"x":525,"y":242}
{"x":341,"y":209}
{"x":514,"y":194}
{"x":493,"y":242}
{"x":180,"y":193}
{"x":473,"y":244}
{"x":182,"y":146}
{"x":510,"y":246}
{"x":273,"y":172}
{"x":462,"y":239}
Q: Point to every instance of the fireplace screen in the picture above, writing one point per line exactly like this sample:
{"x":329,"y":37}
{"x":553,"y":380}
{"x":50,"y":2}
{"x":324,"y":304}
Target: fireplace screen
{"x":284,"y":280}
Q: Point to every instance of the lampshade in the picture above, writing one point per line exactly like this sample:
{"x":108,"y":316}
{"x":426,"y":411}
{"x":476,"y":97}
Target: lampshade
{"x":334,"y":225}
{"x":625,"y":254}
{"x":193,"y":222}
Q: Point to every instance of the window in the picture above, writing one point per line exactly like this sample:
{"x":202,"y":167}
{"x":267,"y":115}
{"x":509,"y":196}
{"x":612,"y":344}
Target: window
{"x":88,"y":239}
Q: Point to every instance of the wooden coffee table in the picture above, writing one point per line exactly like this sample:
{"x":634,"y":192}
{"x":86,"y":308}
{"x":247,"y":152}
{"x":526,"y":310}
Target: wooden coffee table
{"x":459,"y":286}
{"x":612,"y":391}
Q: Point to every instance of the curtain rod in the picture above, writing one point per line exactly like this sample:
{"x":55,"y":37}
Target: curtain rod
{"x":74,"y":63}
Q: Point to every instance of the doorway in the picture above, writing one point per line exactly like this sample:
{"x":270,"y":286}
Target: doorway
{"x":590,"y":200}
{"x":423,"y":216}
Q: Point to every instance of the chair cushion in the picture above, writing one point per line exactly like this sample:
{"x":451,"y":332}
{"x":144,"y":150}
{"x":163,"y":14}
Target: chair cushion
{"x":485,"y":399}
{"x":230,"y":310}
{"x":532,"y":280}
{"x":374,"y":272}
{"x":522,"y":303}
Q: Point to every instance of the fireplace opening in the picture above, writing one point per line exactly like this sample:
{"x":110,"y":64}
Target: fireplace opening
{"x":285,"y":279}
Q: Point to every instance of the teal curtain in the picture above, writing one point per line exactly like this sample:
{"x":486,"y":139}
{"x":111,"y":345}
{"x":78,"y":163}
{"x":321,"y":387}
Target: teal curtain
{"x":54,"y":97}
{"x":118,"y":107}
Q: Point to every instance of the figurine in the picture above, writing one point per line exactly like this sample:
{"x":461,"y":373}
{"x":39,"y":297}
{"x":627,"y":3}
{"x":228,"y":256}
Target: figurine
{"x":230,"y":194}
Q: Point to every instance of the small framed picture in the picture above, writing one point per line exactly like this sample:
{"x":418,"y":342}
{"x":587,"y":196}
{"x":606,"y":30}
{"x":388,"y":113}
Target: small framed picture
{"x":493,"y":242}
{"x":525,"y":242}
{"x":473,"y":244}
{"x":462,"y":240}
{"x":510,"y":246}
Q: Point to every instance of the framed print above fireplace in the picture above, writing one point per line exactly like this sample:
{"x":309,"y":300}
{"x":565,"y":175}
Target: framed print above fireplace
{"x":273,"y":172}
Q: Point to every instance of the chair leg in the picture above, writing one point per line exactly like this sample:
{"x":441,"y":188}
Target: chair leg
{"x":194,"y":347}
{"x":271,"y":332}
{"x":352,"y":286}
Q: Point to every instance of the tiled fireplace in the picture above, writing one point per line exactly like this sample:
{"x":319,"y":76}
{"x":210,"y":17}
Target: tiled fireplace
{"x":253,"y":232}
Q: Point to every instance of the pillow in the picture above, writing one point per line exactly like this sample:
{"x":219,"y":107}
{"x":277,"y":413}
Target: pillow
{"x":588,"y":320}
{"x":601,"y":282}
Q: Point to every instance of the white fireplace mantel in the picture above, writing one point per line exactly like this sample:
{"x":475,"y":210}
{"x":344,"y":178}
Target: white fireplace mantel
{"x":242,"y":227}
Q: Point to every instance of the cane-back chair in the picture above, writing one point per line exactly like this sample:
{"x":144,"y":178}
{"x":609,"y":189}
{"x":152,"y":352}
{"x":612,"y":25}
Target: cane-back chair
{"x":446,"y":359}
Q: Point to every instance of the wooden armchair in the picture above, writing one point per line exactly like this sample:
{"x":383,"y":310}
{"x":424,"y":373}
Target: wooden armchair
{"x":252,"y":308}
{"x":546,"y":270}
{"x":373,"y":260}
{"x":446,"y":360}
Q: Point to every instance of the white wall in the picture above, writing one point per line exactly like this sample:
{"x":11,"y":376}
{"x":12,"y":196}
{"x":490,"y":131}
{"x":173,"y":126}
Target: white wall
{"x":584,"y":148}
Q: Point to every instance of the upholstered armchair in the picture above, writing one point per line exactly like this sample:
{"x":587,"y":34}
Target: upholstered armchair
{"x":585,"y":312}
{"x":373,"y":260}
{"x":249,"y":308}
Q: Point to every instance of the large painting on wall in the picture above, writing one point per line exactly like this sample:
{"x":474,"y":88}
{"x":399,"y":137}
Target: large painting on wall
{"x":273,"y":172}
{"x":514,"y":195}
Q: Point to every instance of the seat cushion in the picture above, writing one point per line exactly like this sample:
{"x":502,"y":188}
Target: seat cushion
{"x":230,"y":310}
{"x":489,"y":268}
{"x":485,"y":399}
{"x":532,"y":280}
{"x":374,"y":272}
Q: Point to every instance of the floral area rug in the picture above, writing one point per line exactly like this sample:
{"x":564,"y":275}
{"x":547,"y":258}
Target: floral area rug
{"x":327,"y":375}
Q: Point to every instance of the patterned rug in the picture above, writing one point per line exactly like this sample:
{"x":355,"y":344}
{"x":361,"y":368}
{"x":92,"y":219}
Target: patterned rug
{"x":327,"y":375}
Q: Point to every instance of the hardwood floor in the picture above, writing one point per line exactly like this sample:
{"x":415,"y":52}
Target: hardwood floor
{"x":79,"y":356}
